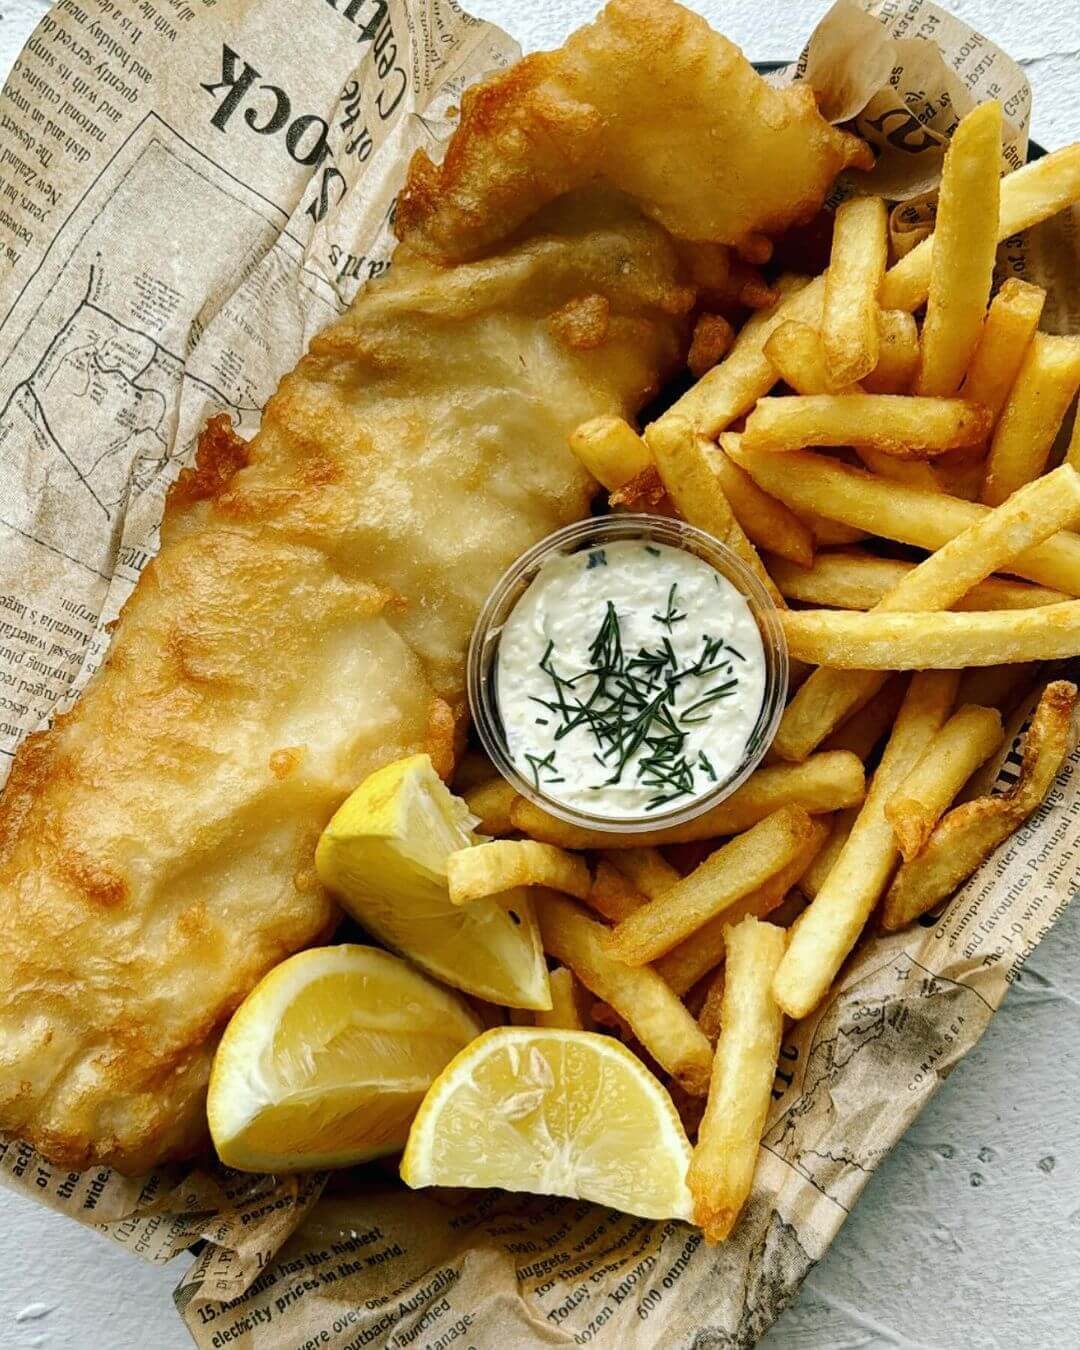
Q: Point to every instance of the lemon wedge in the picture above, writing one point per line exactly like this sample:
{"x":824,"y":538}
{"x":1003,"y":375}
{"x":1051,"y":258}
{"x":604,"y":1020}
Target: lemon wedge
{"x":556,"y":1113}
{"x":327,"y":1059}
{"x":384,"y":855}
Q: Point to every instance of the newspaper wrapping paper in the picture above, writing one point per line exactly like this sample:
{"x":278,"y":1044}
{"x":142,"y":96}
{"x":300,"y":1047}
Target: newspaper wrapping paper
{"x":188,"y":190}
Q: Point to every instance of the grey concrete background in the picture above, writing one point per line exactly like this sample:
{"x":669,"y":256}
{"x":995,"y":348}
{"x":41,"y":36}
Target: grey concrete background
{"x":969,"y":1235}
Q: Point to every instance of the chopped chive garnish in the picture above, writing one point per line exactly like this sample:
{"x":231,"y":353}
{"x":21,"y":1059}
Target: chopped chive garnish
{"x":597,"y":558}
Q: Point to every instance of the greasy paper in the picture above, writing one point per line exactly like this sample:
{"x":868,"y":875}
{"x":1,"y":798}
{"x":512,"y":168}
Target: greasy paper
{"x":189,"y":189}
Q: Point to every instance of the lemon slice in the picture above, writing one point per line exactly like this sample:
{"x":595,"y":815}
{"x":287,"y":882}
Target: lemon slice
{"x":384,"y":856}
{"x":556,"y":1113}
{"x":327,"y":1059}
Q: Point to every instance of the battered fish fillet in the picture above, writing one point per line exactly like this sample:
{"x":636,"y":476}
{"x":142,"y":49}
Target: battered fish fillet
{"x":305,"y":622}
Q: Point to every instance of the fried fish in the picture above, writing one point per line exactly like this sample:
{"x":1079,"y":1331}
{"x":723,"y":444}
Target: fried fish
{"x":307,"y":616}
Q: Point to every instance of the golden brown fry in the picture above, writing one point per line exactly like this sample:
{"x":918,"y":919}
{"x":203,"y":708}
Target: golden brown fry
{"x":565,"y":1012}
{"x":645,"y":868}
{"x":612,"y":894}
{"x":829,"y":929}
{"x":1011,"y":322}
{"x":898,"y":354}
{"x":966,"y":740}
{"x":711,"y":1014}
{"x":491,"y":802}
{"x":849,"y":327}
{"x":971,"y":832}
{"x":856,"y":580}
{"x":796,"y":351}
{"x":611,"y":450}
{"x":638,"y":995}
{"x":822,"y":783}
{"x":910,"y":428}
{"x":965,"y":242}
{"x":722,"y":1168}
{"x":824,"y":860}
{"x":808,"y":482}
{"x":682,"y":459}
{"x":1072,"y":455}
{"x":741,"y":866}
{"x":915,"y":472}
{"x":865,"y":729}
{"x":488,"y":869}
{"x":683,"y":966}
{"x":713,"y":336}
{"x":876,"y":641}
{"x":830,"y":533}
{"x":767,"y":522}
{"x":1025,"y":432}
{"x":1037,"y":191}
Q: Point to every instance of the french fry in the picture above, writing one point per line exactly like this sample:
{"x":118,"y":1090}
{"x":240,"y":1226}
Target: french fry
{"x":1037,"y":191}
{"x":849,"y":328}
{"x":822,"y":783}
{"x":1000,"y":687}
{"x":767,"y":522}
{"x":965,"y":243}
{"x":611,"y":450}
{"x":865,"y":729}
{"x":969,"y":833}
{"x":796,"y":351}
{"x":852,"y":579}
{"x":1025,"y":432}
{"x":830,"y":533}
{"x":824,"y":860}
{"x":638,"y":995}
{"x":683,"y":464}
{"x":711,"y":1015}
{"x":693,"y":958}
{"x":744,"y":864}
{"x":1011,"y":322}
{"x":915,"y":472}
{"x":491,"y":802}
{"x":565,"y":1012}
{"x":898,"y":354}
{"x":829,"y":929}
{"x":876,"y":641}
{"x":966,"y":740}
{"x":808,"y":482}
{"x":712,"y":340}
{"x":1072,"y":455}
{"x":645,"y":868}
{"x":1033,"y":193}
{"x":612,"y":894}
{"x":474,"y":768}
{"x":489,"y":869}
{"x":910,"y":428}
{"x":751,"y":1024}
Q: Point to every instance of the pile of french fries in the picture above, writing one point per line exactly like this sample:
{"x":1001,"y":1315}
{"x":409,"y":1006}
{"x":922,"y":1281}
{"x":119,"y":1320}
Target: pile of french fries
{"x":695,"y":942}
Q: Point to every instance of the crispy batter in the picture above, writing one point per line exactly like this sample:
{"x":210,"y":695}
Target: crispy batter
{"x":649,"y":100}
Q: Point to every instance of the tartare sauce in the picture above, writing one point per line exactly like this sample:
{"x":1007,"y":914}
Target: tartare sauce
{"x":630,"y":678}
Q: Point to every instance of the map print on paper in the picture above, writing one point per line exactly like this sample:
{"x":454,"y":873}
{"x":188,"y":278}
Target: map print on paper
{"x":889,"y":1024}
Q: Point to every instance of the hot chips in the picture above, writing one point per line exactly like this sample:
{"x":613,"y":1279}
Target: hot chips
{"x":823,"y":783}
{"x":645,"y":868}
{"x":966,"y":740}
{"x":865,"y":729}
{"x":751,"y":1023}
{"x":488,"y":869}
{"x":1044,"y":388}
{"x":612,"y":895}
{"x":849,"y":328}
{"x":914,"y":472}
{"x":640,"y":996}
{"x":796,"y":351}
{"x":611,"y":450}
{"x":824,"y":860}
{"x":1011,"y":322}
{"x":491,"y":803}
{"x":965,"y":242}
{"x":856,"y":580}
{"x":741,"y":866}
{"x":710,"y":1017}
{"x":565,"y":1011}
{"x":767,"y":522}
{"x":898,"y":354}
{"x":829,"y":928}
{"x":808,"y":482}
{"x":971,"y":832}
{"x":875,"y":641}
{"x":910,"y":428}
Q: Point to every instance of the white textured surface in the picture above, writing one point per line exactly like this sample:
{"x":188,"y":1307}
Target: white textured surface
{"x":969,"y":1235}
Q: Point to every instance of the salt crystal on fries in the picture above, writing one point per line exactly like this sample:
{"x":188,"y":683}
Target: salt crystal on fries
{"x":639,"y":996}
{"x":751,"y":1024}
{"x":970,"y":833}
{"x":829,"y":929}
{"x":849,"y":328}
{"x":897,"y":424}
{"x":489,"y":869}
{"x":743,"y":865}
{"x":965,"y":243}
{"x":966,"y":740}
